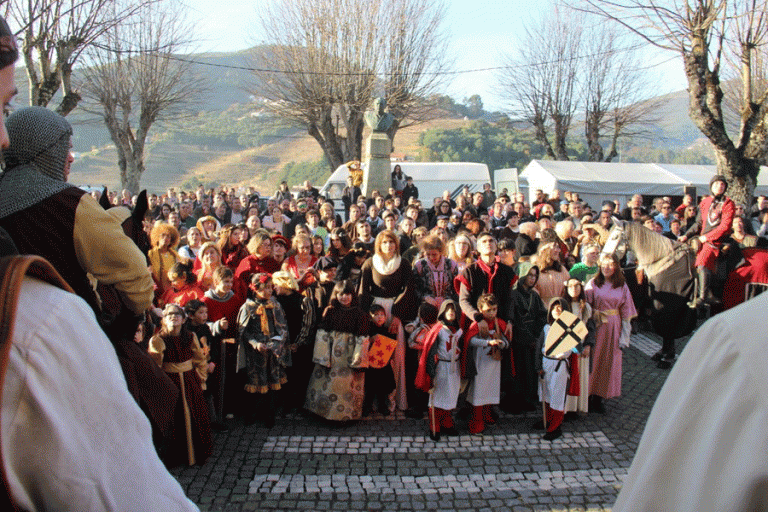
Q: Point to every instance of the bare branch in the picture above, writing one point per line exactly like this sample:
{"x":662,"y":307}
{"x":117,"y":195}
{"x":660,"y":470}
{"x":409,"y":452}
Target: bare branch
{"x":334,"y":57}
{"x":135,"y":82}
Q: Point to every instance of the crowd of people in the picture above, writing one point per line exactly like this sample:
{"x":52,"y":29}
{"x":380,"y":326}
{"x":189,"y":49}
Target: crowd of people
{"x":393,"y":306}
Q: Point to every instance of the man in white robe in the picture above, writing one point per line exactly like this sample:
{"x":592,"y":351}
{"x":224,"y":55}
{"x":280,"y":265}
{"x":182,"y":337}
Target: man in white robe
{"x":705,"y":444}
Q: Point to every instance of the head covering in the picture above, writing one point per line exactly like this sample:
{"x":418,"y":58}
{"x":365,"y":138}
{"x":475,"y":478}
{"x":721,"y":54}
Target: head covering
{"x":280,"y":239}
{"x":558,"y":300}
{"x":524,"y":268}
{"x":444,"y":306}
{"x":9,"y":52}
{"x":718,"y":177}
{"x":40,"y":138}
{"x":325,"y":263}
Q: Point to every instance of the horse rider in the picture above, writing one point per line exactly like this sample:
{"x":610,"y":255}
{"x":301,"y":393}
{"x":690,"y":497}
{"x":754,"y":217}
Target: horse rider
{"x":713,"y":224}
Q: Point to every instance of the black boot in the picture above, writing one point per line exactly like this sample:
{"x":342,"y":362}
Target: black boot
{"x":596,"y":404}
{"x":705,"y":295}
{"x":551,"y":436}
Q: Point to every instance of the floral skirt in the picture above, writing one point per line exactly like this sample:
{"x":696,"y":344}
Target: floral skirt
{"x":336,"y":393}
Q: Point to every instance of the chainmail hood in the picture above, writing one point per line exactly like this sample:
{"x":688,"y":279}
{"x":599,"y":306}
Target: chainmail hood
{"x":40,"y":138}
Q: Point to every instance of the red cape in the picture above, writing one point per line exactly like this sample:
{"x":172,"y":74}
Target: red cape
{"x":423,"y":379}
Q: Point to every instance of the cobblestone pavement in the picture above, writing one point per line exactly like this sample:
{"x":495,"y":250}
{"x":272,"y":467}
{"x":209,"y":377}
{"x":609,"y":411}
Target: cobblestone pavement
{"x":303,"y":463}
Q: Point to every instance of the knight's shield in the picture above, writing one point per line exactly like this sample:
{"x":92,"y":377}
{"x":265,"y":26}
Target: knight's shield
{"x":566,"y":333}
{"x":380,"y":351}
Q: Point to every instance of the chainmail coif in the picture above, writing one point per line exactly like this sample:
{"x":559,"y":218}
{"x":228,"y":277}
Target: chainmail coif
{"x":39,"y":137}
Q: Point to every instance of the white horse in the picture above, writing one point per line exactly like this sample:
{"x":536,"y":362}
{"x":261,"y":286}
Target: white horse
{"x":671,"y":280}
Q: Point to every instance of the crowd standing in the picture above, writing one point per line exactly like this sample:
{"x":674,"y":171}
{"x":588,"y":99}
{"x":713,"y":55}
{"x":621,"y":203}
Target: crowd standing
{"x":346,"y":316}
{"x":256,"y":308}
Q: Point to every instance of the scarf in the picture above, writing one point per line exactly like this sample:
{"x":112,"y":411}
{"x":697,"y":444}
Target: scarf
{"x":386,"y":268}
{"x":490,"y":271}
{"x":265,"y":316}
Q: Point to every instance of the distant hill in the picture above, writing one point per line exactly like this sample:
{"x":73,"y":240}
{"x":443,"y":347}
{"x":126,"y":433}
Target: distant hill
{"x":228,"y":137}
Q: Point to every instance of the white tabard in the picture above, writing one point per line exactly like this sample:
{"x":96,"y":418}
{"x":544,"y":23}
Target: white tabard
{"x":485,"y":388}
{"x":447,"y":382}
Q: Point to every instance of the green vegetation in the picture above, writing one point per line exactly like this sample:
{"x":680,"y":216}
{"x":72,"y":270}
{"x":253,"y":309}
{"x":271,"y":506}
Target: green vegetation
{"x":496,"y":145}
{"x":296,"y":173}
{"x":238,"y":127}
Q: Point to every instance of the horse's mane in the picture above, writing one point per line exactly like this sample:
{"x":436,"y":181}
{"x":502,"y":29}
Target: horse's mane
{"x":648,"y":246}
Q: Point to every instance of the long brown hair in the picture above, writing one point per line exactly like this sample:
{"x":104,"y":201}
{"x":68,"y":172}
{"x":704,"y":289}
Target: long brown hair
{"x":617,"y":279}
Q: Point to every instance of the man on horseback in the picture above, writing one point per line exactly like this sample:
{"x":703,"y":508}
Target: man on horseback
{"x":714,"y":222}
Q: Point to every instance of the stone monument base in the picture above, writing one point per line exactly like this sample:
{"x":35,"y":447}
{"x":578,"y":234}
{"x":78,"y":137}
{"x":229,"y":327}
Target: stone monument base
{"x":377,"y":174}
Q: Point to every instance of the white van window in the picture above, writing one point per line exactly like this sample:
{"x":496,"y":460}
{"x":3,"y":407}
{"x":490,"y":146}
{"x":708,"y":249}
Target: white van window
{"x":334,"y":191}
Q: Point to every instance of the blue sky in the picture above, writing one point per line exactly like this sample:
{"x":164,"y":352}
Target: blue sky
{"x":480,"y":31}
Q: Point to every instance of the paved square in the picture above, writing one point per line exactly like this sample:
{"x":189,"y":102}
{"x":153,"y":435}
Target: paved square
{"x":379,"y":463}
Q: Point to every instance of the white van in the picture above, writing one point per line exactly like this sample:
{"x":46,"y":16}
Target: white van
{"x":431,"y":178}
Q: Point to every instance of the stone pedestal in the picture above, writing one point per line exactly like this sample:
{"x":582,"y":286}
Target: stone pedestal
{"x":377,"y":174}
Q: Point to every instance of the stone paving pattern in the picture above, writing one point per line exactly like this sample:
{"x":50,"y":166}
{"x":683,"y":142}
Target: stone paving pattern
{"x":303,"y":463}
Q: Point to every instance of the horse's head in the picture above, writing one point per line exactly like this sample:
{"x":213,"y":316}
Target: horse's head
{"x":617,"y":239}
{"x":132,"y":221}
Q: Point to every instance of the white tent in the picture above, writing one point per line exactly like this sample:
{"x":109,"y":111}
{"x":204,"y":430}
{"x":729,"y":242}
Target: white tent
{"x":598,"y":181}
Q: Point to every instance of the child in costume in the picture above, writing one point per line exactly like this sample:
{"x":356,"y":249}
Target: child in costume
{"x":183,"y":286}
{"x":417,"y":332}
{"x":223,"y":304}
{"x":575,"y":296}
{"x":439,"y":370}
{"x":178,"y":352}
{"x":262,"y":336}
{"x":197,"y":322}
{"x":337,"y":386}
{"x":379,"y":382}
{"x":482,"y":364}
{"x":554,"y":372}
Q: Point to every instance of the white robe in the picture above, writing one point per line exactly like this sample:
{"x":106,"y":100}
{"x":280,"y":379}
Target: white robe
{"x":485,"y":388}
{"x":554,"y":386}
{"x":705,"y":444}
{"x":73,"y":437}
{"x":447,"y":382}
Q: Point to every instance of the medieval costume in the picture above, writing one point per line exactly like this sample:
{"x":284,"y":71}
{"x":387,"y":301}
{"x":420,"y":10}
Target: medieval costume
{"x":482,"y":364}
{"x":390,"y":284}
{"x":337,"y":385}
{"x":613,"y":309}
{"x":262,"y":352}
{"x":183,"y":359}
{"x":528,"y":315}
{"x":435,"y":281}
{"x":714,"y":222}
{"x":559,"y":377}
{"x":440,"y":371}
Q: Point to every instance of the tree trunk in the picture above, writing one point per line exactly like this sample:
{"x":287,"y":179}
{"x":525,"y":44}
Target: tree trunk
{"x":741,"y":174}
{"x":592,"y":134}
{"x":541,"y":136}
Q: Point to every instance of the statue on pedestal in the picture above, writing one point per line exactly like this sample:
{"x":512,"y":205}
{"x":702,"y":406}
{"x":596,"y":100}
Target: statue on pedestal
{"x":376,"y":119}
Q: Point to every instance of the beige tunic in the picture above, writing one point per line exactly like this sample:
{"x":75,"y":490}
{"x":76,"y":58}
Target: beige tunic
{"x":704,"y":446}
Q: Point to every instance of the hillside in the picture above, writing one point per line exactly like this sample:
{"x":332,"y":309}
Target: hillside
{"x":229,"y":138}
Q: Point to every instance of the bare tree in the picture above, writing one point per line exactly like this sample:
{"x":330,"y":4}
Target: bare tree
{"x":708,"y":35}
{"x":135,"y":81}
{"x":565,"y":65}
{"x":414,"y":60}
{"x":613,"y":84}
{"x":542,"y":79}
{"x":328,"y":59}
{"x":54,"y":34}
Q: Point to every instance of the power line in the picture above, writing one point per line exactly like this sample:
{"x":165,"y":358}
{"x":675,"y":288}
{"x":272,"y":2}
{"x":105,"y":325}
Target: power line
{"x":336,"y":73}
